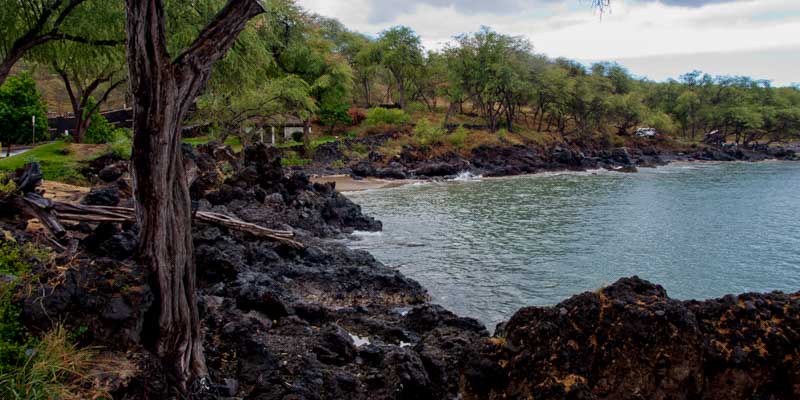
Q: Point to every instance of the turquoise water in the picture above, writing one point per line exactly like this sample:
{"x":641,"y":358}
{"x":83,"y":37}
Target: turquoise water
{"x":486,"y":248}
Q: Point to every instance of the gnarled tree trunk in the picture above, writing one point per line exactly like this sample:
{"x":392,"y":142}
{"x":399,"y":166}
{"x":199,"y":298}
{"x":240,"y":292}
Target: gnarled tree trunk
{"x":163,"y":90}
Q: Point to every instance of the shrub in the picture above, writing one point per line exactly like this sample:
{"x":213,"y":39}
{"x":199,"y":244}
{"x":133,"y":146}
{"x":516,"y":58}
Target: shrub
{"x":100,"y":130}
{"x":292,"y":159}
{"x":427,"y":133}
{"x":502,"y":133}
{"x":6,"y":184}
{"x":121,"y":144}
{"x":297,"y":136}
{"x":458,"y":138}
{"x":337,"y":164}
{"x":357,"y":116}
{"x":383,"y":116}
{"x":416,"y":107}
{"x":19,"y":101}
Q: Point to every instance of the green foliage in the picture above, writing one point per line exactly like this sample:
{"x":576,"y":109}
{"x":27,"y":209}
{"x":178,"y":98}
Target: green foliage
{"x":382,"y":116}
{"x":14,"y":261}
{"x":100,"y":130}
{"x":292,"y":159}
{"x":428,"y":134}
{"x":400,"y":52}
{"x":458,"y":138}
{"x":19,"y":101}
{"x":337,"y":164}
{"x":6,"y":184}
{"x":355,"y":150}
{"x":13,"y":336}
{"x":121,"y":144}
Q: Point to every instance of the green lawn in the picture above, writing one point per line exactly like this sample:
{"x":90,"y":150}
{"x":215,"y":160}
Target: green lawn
{"x":60,"y":161}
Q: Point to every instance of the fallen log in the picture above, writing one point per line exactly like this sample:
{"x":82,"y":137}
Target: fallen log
{"x":33,"y":205}
{"x":84,"y":213}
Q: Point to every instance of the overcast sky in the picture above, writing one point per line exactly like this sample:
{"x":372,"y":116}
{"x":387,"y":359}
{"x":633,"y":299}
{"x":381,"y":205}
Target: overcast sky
{"x":656,"y":39}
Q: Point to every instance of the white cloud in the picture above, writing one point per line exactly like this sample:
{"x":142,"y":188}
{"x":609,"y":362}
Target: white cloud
{"x":633,"y":29}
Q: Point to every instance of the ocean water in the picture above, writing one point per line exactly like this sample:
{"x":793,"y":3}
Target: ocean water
{"x":486,"y":247}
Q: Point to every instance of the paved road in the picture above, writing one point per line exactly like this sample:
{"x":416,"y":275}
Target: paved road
{"x":14,"y":151}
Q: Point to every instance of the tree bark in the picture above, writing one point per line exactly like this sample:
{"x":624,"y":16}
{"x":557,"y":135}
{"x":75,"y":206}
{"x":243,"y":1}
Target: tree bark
{"x":163,"y":91}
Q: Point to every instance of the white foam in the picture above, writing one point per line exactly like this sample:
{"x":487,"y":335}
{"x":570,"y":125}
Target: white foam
{"x":466,"y":176}
{"x":358,"y":340}
{"x":367,"y":233}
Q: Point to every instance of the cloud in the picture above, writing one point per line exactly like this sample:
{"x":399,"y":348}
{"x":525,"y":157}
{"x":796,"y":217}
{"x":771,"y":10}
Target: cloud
{"x":384,"y":11}
{"x":693,"y":3}
{"x":632,"y":29}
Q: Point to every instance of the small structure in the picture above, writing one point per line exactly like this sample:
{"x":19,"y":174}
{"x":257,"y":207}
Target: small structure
{"x":646,"y":132}
{"x":714,"y":137}
{"x":289,"y":125}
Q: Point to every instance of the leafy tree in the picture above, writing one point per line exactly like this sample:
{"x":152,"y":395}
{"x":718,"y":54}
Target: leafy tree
{"x":25,"y":25}
{"x":491,"y":70}
{"x":87,"y":71}
{"x":19,"y":101}
{"x":400,"y":51}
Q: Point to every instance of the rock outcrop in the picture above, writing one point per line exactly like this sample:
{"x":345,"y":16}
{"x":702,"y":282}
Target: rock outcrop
{"x":631,"y":341}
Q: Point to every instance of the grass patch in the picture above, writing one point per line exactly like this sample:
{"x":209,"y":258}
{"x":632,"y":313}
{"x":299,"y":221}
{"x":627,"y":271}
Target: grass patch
{"x":50,"y":367}
{"x":292,"y":159}
{"x":233,"y":141}
{"x":53,"y":368}
{"x":60,"y":161}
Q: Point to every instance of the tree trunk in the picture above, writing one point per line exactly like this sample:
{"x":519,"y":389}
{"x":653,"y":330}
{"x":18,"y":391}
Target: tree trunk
{"x":81,"y":126}
{"x":6,"y":65}
{"x":307,"y":138}
{"x":162,"y":92}
{"x":365,"y":84}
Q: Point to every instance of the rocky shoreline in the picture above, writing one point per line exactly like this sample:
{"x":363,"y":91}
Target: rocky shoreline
{"x":329,"y":322}
{"x":422,"y":163}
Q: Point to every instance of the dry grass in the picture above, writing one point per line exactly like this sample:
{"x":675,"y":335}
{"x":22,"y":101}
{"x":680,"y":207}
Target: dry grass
{"x":55,"y":369}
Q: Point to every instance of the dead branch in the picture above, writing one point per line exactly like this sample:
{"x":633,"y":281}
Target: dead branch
{"x":33,"y":205}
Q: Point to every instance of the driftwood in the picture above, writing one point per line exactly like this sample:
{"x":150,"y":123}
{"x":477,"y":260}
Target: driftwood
{"x":33,"y":205}
{"x":80,"y":212}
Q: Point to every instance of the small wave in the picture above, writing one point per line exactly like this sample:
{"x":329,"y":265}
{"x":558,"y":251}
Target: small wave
{"x":367,"y":233}
{"x":466,"y":176}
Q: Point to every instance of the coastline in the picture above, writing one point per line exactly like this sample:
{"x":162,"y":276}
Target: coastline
{"x":331,"y":322}
{"x":347,"y":184}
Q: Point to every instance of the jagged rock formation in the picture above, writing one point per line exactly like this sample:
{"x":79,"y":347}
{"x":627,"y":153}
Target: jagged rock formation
{"x":631,"y":341}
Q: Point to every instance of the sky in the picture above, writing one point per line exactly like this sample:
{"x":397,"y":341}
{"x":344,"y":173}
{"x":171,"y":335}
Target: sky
{"x":654,"y":39}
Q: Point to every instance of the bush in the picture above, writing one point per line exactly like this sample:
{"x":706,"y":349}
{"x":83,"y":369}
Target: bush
{"x":100,"y":130}
{"x":428,"y":134}
{"x":19,"y":101}
{"x":292,"y":159}
{"x":121,"y":144}
{"x":6,"y":184}
{"x":416,"y":107}
{"x":357,"y":116}
{"x":383,"y":116}
{"x":458,"y":138}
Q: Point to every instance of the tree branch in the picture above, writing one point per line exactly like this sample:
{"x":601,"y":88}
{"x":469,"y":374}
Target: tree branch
{"x":193,"y":66}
